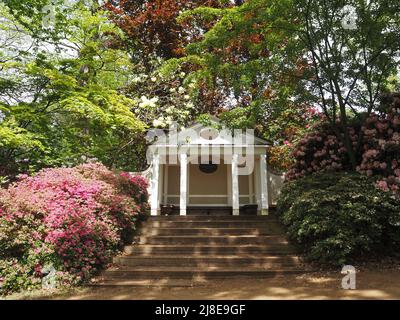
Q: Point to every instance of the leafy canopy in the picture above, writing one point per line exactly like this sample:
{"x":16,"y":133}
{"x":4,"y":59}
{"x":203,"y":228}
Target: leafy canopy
{"x":59,"y":101}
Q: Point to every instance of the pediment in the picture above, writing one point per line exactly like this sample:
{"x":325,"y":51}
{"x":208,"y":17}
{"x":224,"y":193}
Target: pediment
{"x":199,"y":134}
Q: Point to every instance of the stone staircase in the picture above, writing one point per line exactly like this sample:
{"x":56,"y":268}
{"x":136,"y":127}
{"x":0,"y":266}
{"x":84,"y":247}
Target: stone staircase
{"x":191,"y":250}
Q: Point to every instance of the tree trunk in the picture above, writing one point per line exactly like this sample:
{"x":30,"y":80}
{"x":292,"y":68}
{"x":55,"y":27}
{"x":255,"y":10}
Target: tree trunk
{"x":347,"y":141}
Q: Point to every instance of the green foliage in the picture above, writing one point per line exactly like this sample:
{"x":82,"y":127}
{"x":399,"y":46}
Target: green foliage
{"x":206,"y":120}
{"x":280,"y":57}
{"x":243,"y":73}
{"x":59,"y":99}
{"x":235,"y":52}
{"x":239,"y":118}
{"x":337,"y":218}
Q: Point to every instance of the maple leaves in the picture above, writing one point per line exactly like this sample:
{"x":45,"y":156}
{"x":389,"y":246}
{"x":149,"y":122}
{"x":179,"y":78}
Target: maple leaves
{"x":152,"y":24}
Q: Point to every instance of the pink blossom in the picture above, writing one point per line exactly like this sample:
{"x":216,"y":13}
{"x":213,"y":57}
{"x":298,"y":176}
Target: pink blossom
{"x":78,"y":214}
{"x":383,"y":185}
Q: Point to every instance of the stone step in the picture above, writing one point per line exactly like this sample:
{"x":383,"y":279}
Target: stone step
{"x":192,"y":250}
{"x":210,"y":224}
{"x":209,"y":240}
{"x":204,"y":273}
{"x":197,"y":261}
{"x":264,"y":249}
{"x":212,"y":218}
{"x":107,"y":283}
{"x":148,"y":231}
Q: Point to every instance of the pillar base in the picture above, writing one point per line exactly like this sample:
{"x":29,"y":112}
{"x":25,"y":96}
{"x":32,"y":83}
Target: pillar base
{"x":235,"y":212}
{"x":182,"y":212}
{"x":154,"y":212}
{"x":264,"y":212}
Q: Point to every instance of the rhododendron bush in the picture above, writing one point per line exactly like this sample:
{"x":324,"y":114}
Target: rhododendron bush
{"x":378,"y":156}
{"x":339,"y":218}
{"x":74,"y":219}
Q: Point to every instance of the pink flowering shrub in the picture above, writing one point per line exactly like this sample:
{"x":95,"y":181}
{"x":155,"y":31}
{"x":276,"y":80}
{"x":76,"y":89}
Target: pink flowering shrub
{"x":379,"y":154}
{"x":381,"y":149}
{"x":318,"y":151}
{"x":74,"y":218}
{"x":136,"y":187}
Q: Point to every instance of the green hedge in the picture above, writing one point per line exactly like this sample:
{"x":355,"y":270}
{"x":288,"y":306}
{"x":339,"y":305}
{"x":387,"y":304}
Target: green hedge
{"x":337,"y":218}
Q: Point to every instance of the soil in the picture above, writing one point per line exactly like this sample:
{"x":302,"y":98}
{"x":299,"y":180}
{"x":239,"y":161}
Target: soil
{"x":370,"y":284}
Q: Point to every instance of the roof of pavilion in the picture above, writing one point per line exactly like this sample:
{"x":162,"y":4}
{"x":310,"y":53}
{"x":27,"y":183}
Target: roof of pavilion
{"x":200,"y":134}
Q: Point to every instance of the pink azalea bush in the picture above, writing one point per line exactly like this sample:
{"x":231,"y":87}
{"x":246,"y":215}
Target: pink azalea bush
{"x":379,"y":156}
{"x":73,"y":218}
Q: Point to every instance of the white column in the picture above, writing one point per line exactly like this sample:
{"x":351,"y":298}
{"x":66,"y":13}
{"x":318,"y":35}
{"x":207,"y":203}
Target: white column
{"x":154,"y":184}
{"x":251,"y":191}
{"x":235,"y":186}
{"x":183,"y":184}
{"x":187,"y":182}
{"x":160,"y":185}
{"x":166,"y":183}
{"x":257,"y":183}
{"x":264,"y":184}
{"x":229,"y":184}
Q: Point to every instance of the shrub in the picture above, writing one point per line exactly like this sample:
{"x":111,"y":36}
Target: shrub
{"x":318,"y":151}
{"x":279,"y":157}
{"x":336,"y":218}
{"x":73,"y":218}
{"x":322,"y":151}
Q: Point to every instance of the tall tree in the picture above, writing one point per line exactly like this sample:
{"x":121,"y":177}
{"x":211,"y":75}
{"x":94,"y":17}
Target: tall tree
{"x":152,"y":28}
{"x":352,"y":50}
{"x":238,"y":58}
{"x":59,"y":98}
{"x":271,"y":54}
{"x":154,"y":35}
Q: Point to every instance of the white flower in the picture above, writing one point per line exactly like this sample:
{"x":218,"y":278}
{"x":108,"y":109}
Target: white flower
{"x":181,"y":90}
{"x":154,"y":79}
{"x":182,"y":74}
{"x":187,"y":97}
{"x":148,"y":103}
{"x":170,"y":109}
{"x":172,"y":90}
{"x":158,"y":123}
{"x":192,"y":85}
{"x":168,"y":120}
